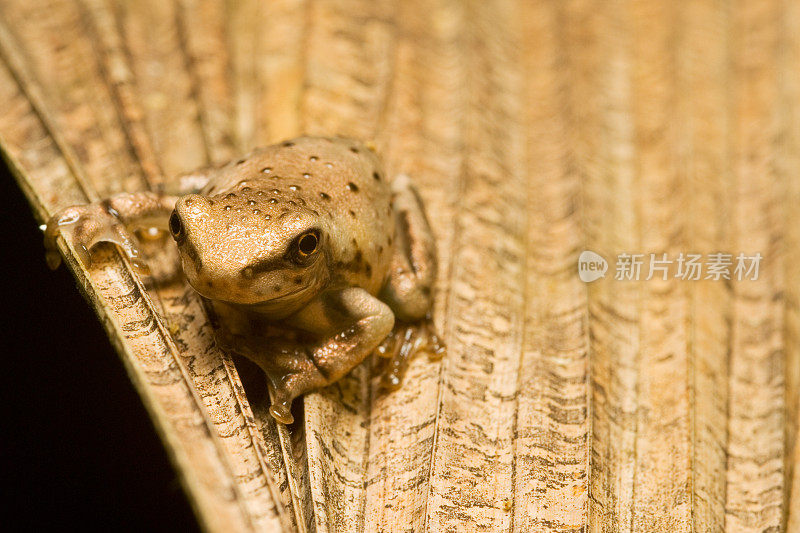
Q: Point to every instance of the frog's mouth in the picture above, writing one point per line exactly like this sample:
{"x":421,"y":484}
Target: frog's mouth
{"x":282,"y":305}
{"x":280,"y":297}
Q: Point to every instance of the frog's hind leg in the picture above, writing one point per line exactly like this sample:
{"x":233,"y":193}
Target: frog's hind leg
{"x":408,"y":292}
{"x":413,"y":265}
{"x":406,"y":340}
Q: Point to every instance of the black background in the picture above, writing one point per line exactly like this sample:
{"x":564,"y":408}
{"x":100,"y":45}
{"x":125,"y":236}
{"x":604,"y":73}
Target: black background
{"x":78,"y":448}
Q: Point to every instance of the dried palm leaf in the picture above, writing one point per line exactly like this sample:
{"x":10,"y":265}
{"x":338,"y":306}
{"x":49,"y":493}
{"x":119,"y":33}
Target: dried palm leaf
{"x":534,"y":131}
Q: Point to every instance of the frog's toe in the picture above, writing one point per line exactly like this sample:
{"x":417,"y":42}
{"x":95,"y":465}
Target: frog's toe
{"x":389,"y":347}
{"x":409,"y":340}
{"x":114,"y":232}
{"x":392,"y":380}
{"x":282,"y":412}
{"x":53,"y":259}
{"x":52,"y":230}
{"x":433,"y":344}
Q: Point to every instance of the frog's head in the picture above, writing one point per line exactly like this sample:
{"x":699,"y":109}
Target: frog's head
{"x":251,"y":248}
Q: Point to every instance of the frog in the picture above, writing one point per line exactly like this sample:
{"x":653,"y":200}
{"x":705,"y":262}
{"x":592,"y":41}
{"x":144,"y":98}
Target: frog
{"x":306,"y":257}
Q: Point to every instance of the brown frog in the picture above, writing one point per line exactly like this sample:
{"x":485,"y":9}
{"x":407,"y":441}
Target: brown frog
{"x":308,"y":257}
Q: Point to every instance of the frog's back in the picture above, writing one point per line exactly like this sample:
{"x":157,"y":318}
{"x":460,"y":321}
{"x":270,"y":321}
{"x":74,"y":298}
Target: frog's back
{"x":335,"y":161}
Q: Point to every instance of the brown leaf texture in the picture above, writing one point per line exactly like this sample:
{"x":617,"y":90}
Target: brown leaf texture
{"x":534,"y":131}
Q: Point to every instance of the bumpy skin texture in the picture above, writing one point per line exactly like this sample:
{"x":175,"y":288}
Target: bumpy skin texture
{"x":308,"y":257}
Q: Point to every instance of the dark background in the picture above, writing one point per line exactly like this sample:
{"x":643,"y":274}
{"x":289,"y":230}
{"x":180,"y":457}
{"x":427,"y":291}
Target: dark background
{"x":77,"y":445}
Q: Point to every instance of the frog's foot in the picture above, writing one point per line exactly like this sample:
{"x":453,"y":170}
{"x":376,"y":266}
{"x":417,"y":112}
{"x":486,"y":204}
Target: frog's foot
{"x":290,"y":373}
{"x":405,"y":341}
{"x":282,"y":392}
{"x":84,"y":226}
{"x":278,"y":370}
{"x":284,"y":388}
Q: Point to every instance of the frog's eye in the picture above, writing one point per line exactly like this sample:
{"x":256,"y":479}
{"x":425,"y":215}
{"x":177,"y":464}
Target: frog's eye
{"x":304,"y":246}
{"x":175,"y":226}
{"x":307,"y":244}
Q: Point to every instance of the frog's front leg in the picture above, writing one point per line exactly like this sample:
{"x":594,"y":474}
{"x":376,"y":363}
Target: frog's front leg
{"x":348,"y":325}
{"x":111,"y":220}
{"x":409,"y":290}
{"x":117,"y":217}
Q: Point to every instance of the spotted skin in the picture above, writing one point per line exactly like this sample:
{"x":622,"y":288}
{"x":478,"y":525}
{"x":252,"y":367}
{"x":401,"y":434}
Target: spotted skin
{"x":307,"y":235}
